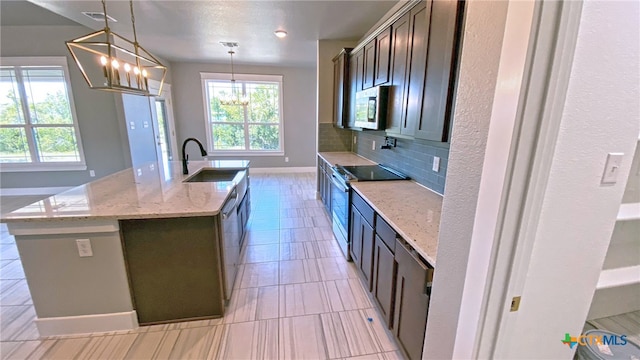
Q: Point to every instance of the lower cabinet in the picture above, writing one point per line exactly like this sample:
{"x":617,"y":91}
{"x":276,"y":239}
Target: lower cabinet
{"x":362,"y":244}
{"x":411,"y":301}
{"x":397,"y":277}
{"x":383,"y":284}
{"x":324,"y":184}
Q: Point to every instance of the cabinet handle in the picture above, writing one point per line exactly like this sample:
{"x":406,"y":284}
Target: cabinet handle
{"x":428,"y":283}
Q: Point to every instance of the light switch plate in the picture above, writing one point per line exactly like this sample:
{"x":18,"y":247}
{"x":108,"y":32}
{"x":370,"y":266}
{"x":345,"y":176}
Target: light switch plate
{"x":612,"y":168}
{"x":436,"y":164}
{"x":84,"y":247}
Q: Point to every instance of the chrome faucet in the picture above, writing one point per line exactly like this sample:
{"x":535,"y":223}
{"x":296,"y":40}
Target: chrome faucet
{"x":185,"y":157}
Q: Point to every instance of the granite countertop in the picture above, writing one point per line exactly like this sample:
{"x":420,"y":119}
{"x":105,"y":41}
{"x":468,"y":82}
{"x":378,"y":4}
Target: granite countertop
{"x":345,"y":158}
{"x":154,"y":190}
{"x":411,"y":209}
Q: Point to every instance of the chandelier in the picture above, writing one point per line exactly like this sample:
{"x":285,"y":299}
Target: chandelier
{"x":236,"y":97}
{"x":111,"y":62}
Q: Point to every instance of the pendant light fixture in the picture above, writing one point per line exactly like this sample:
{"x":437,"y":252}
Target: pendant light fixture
{"x":236,"y":97}
{"x":111,"y":62}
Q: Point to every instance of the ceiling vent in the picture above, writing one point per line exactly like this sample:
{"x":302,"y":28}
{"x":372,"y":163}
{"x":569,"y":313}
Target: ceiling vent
{"x":98,"y":16}
{"x":229,"y":44}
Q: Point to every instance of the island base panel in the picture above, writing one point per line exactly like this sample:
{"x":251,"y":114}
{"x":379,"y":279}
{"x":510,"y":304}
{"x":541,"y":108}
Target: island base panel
{"x":174,"y":268}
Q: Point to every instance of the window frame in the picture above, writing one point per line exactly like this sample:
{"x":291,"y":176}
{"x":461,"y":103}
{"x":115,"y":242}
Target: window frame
{"x":36,"y":164}
{"x":242,"y":78}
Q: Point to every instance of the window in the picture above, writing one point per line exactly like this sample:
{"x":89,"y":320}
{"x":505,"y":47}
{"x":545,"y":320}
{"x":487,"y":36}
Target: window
{"x":38,"y":126}
{"x":255,"y":128}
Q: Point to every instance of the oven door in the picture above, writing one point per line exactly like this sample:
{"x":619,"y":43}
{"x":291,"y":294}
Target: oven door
{"x":340,"y":214}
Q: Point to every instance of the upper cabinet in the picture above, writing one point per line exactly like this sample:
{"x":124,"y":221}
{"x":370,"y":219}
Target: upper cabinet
{"x":437,"y":97}
{"x":416,"y":55}
{"x":356,"y":74}
{"x":399,"y":59}
{"x":383,"y":57}
{"x":341,"y":88}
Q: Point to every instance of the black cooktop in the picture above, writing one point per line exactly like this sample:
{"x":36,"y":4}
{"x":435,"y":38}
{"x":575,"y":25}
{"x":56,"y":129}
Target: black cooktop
{"x":373,"y":173}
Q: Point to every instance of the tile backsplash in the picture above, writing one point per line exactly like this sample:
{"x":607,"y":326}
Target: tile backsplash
{"x":331,"y":138}
{"x":411,"y":157}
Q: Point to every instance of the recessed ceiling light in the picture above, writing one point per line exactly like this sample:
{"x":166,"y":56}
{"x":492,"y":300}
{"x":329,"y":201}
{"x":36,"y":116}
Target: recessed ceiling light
{"x":280,"y":33}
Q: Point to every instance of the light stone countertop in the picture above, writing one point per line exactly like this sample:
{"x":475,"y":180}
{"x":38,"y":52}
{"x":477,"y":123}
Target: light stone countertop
{"x":154,"y":190}
{"x":411,"y":209}
{"x":345,"y":158}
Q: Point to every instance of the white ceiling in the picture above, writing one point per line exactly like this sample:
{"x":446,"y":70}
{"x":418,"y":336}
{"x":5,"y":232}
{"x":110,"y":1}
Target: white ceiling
{"x":191,"y":30}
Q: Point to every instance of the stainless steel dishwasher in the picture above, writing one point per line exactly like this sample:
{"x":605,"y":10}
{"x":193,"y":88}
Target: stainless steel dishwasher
{"x":230,"y":241}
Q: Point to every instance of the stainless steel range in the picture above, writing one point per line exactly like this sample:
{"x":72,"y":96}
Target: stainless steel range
{"x":342,"y":176}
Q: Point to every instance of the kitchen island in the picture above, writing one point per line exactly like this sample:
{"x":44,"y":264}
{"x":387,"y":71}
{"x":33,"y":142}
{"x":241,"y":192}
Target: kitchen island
{"x":74,"y":252}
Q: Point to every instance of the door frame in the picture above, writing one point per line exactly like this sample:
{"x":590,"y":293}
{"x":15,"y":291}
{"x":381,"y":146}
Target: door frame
{"x":171,"y":126}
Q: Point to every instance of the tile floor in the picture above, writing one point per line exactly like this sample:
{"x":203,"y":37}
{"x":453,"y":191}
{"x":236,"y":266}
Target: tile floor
{"x":295,"y":297}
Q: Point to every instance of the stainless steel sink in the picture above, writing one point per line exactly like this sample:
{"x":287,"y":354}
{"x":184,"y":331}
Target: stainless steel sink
{"x":213,"y":175}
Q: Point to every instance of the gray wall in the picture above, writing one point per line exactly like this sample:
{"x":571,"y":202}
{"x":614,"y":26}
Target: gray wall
{"x":138,"y":121}
{"x":412,"y":157}
{"x":95,"y":109}
{"x":299,"y":89}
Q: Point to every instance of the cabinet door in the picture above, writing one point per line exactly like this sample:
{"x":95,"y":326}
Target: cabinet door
{"x":384,"y":275}
{"x":327,"y":192}
{"x":438,"y":88}
{"x":356,"y":66}
{"x":398,"y":76}
{"x":419,"y":20}
{"x":366,"y":262}
{"x":356,"y":236}
{"x":383,"y":55}
{"x":411,"y":303}
{"x":369,"y":64}
{"x":340,"y":88}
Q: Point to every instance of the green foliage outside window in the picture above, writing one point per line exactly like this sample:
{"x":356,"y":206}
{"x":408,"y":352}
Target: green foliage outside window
{"x":255,"y":126}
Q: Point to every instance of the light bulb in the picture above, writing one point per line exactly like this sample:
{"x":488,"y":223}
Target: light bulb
{"x":103,"y":60}
{"x":115,"y":64}
{"x":136,"y":70}
{"x":144,"y":72}
{"x":127,"y":67}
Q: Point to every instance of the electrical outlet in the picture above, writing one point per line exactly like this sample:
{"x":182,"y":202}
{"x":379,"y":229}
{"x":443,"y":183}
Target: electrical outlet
{"x":132,"y":125}
{"x":145,"y":124}
{"x":84,"y":247}
{"x":436,"y":164}
{"x":286,"y":159}
{"x":92,"y":173}
{"x":373,"y":145}
{"x":139,"y":172}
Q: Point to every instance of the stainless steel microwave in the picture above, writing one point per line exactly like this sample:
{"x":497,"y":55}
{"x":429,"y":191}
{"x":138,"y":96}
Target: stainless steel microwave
{"x":371,"y":108}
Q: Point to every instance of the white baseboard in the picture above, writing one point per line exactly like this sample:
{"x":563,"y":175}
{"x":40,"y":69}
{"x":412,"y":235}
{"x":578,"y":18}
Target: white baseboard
{"x":33,"y":191}
{"x":280,"y":170}
{"x":68,"y":325}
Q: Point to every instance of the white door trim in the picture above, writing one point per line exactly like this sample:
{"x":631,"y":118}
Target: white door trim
{"x":549,"y":62}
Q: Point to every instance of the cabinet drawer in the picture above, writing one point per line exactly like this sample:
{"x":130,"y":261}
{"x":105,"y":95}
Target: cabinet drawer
{"x":386,"y":233}
{"x":362,"y":206}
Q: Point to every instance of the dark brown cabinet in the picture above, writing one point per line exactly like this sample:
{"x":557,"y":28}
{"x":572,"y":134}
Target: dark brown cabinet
{"x":437,"y":95}
{"x":411,"y":300}
{"x":341,"y":88}
{"x":397,"y":91}
{"x":383,"y":283}
{"x":369,"y":64}
{"x":356,"y":73}
{"x":362,"y":236}
{"x":419,"y":35}
{"x":324,"y":184}
{"x":382,"y":58}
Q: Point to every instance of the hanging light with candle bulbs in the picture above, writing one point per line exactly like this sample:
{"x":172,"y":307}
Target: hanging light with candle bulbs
{"x":236,"y":97}
{"x":111,"y":62}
